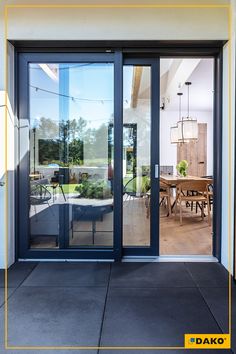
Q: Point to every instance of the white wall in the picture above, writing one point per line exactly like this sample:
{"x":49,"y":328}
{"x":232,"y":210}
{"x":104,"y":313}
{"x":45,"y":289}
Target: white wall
{"x":128,"y":23}
{"x":228,"y":145}
{"x":168,"y":151}
{"x":7,"y":192}
{"x":2,"y":180}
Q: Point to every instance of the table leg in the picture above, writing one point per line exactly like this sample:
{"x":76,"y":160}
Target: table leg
{"x":93,"y":230}
{"x":63,"y":192}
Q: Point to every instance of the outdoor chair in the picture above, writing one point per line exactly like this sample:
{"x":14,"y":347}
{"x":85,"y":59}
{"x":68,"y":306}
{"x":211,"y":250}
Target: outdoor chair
{"x":90,"y":213}
{"x":130,"y":189}
{"x":39,"y":194}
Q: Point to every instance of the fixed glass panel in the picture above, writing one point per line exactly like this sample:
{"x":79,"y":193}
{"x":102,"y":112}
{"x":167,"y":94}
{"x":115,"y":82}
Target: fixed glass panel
{"x":71,"y":154}
{"x":136,"y":155}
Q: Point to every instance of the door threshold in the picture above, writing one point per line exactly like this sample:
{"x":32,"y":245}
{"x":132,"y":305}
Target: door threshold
{"x":131,"y":259}
{"x":63,"y":260}
{"x":171,"y":259}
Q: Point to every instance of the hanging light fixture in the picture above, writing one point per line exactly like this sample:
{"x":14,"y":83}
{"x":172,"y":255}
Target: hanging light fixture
{"x":174,"y":131}
{"x":187,"y":127}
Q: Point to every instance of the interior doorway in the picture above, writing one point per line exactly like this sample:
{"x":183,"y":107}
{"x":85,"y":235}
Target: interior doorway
{"x":186,"y":156}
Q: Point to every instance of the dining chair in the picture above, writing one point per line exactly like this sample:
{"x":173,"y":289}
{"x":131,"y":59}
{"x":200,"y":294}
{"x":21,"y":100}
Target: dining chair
{"x":200,"y":195}
{"x":165,"y":195}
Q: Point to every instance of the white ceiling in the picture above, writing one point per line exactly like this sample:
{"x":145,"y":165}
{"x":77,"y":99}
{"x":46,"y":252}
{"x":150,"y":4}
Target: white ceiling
{"x":174,"y":74}
{"x":201,"y":90}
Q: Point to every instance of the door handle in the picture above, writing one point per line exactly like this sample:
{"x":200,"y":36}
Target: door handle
{"x":156,"y":171}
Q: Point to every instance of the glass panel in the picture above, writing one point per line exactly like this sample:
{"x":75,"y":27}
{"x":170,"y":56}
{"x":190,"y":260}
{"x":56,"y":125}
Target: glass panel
{"x":136,"y":156}
{"x":71,"y":154}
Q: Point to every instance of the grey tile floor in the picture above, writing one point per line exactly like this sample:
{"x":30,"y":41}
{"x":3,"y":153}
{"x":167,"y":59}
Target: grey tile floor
{"x":119,"y":304}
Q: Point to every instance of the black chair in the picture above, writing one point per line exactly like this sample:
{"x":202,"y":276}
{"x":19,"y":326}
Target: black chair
{"x":130,"y":188}
{"x":92,"y":213}
{"x":57,"y":181}
{"x":39,"y":194}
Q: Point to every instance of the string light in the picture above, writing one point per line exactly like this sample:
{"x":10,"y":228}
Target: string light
{"x":63,"y":68}
{"x":70,"y":97}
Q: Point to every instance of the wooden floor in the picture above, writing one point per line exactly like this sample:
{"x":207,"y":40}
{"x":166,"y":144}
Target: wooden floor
{"x":194,"y":237}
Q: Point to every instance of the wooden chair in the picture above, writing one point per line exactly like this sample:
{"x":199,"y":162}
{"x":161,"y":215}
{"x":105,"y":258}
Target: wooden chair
{"x":201,"y":195}
{"x":165,"y":194}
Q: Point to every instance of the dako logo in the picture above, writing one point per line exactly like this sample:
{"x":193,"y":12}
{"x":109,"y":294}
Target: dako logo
{"x":210,"y":341}
{"x":207,"y":341}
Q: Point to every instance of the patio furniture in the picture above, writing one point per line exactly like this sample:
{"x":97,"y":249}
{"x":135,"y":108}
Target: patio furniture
{"x":57,"y":181}
{"x":131,"y":188}
{"x":90,"y":212}
{"x":39,"y":194}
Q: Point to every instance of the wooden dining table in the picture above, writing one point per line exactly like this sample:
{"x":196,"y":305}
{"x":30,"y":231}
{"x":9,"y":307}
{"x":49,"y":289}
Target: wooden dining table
{"x":173,"y":180}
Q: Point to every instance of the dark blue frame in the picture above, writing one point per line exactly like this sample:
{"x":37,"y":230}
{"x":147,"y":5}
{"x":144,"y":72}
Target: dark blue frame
{"x":133,"y":52}
{"x":154,"y":63}
{"x":23,"y":99}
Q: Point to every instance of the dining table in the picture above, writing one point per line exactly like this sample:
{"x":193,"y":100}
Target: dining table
{"x":173,"y":180}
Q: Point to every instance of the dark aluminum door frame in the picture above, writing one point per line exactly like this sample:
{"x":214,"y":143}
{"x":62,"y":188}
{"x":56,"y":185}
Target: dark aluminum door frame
{"x":135,"y":48}
{"x":23,"y":180}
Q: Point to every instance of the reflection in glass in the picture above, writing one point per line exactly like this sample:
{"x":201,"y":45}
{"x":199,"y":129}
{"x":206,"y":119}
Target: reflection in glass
{"x":71,"y":155}
{"x":136,"y":156}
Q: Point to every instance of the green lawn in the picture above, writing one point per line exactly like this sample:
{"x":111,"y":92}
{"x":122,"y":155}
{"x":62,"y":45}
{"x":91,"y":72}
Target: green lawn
{"x":67,"y":188}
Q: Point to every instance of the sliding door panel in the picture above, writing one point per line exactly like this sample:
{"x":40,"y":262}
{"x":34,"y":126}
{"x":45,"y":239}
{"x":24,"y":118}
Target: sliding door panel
{"x":140,"y":156}
{"x":136,"y":155}
{"x":67,"y":155}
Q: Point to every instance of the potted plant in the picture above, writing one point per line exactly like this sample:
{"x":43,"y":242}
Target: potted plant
{"x":94,"y":189}
{"x":182,"y":168}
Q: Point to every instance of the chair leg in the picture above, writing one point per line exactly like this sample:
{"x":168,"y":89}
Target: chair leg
{"x":72,"y":229}
{"x":148,"y":208}
{"x":35,"y":212}
{"x":176,"y":207}
{"x":202,"y":211}
{"x":169,"y":205}
{"x":208,"y":211}
{"x":180,"y":213}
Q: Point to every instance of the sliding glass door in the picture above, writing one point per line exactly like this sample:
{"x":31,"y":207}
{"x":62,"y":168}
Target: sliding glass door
{"x":86,"y":161}
{"x":140,"y":156}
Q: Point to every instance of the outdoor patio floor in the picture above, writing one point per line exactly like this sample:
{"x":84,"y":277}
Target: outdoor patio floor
{"x":114,"y":304}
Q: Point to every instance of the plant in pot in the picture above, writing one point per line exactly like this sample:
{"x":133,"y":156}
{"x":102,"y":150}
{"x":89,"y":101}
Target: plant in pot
{"x":94,"y":189}
{"x":182,"y":168}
